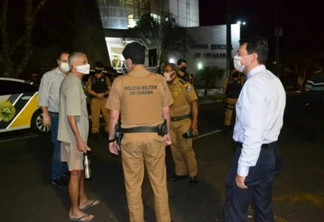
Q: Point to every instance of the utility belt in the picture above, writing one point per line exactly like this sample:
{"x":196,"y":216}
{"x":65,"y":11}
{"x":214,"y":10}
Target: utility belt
{"x":141,"y":129}
{"x":263,"y":146}
{"x":178,"y":118}
{"x":161,"y":130}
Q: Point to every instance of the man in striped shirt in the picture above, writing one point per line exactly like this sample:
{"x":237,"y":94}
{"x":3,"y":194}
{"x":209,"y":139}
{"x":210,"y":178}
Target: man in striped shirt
{"x":49,"y":101}
{"x":314,"y":86}
{"x":314,"y":99}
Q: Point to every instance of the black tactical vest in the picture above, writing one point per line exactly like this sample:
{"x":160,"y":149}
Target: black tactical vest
{"x":234,"y":88}
{"x":99,"y":85}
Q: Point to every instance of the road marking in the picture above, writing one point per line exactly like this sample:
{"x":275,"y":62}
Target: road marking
{"x":18,"y":138}
{"x":316,"y":200}
{"x":207,"y":134}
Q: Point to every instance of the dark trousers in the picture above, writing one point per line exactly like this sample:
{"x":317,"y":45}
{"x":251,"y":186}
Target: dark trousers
{"x":259,"y":182}
{"x":58,"y":167}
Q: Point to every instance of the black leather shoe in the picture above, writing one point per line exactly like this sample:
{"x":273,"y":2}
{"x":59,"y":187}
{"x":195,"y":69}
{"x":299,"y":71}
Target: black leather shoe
{"x":193,"y":181}
{"x":177,"y":178}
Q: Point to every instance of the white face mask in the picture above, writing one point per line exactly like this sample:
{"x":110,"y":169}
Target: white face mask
{"x":64,"y":66}
{"x":167,"y":76}
{"x":84,"y":69}
{"x":237,"y":63}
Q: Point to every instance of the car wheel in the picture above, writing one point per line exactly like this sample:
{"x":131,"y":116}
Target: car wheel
{"x":37,"y":123}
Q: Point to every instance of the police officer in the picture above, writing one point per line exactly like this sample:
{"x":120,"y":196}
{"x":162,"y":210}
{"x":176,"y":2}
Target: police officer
{"x":184,"y":119}
{"x":98,"y":87}
{"x":142,"y":100}
{"x":231,"y":87}
{"x":182,"y":71}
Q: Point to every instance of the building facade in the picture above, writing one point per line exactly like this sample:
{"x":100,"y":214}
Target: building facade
{"x":123,"y":14}
{"x":119,"y":15}
{"x":210,"y":48}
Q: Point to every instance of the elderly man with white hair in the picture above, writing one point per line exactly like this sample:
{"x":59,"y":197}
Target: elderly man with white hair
{"x":73,"y":132}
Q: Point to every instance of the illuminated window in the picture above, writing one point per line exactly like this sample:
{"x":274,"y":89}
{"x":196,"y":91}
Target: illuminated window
{"x":131,"y":21}
{"x":156,"y":17}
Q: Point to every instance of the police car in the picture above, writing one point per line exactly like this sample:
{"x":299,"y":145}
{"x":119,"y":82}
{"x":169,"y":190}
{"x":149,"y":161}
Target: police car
{"x":18,"y":106}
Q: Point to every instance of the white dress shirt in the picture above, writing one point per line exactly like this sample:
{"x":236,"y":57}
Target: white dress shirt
{"x":49,"y":90}
{"x":259,"y":115}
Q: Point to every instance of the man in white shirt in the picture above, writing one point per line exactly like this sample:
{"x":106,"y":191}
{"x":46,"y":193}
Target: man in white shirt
{"x":259,"y":119}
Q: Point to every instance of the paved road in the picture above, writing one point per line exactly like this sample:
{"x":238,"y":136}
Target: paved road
{"x":27,"y":194}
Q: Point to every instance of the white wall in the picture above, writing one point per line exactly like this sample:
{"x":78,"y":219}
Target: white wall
{"x":211,"y":46}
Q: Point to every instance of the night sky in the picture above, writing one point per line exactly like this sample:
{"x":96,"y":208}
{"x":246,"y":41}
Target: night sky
{"x":301,"y":21}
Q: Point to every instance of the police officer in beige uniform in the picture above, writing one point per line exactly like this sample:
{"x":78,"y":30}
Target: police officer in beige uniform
{"x":231,"y":87}
{"x":182,"y":71}
{"x":142,"y":99}
{"x":184,"y":121}
{"x":98,"y":87}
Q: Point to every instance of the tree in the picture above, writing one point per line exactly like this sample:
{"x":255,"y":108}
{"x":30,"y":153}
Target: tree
{"x":210,"y":76}
{"x":164,"y":35}
{"x":16,"y":43}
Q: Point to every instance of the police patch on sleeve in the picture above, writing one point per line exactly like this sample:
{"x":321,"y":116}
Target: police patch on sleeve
{"x":189,"y":88}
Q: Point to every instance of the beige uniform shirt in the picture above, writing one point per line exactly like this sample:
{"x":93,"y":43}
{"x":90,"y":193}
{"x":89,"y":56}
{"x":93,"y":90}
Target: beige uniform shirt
{"x":72,"y":103}
{"x":139,"y":96}
{"x":183,"y":94}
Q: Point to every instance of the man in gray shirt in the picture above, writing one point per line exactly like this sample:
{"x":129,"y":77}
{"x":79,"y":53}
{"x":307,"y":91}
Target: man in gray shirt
{"x":49,"y":101}
{"x":73,"y":132}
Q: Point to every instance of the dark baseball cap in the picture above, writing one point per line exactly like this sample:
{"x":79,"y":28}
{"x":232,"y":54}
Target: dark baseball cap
{"x":181,"y":61}
{"x":132,"y":50}
{"x":99,"y":65}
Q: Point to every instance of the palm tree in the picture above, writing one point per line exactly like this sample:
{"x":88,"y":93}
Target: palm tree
{"x":164,"y":35}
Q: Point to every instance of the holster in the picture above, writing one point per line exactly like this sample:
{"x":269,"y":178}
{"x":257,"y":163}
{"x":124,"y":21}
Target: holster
{"x":118,"y":133}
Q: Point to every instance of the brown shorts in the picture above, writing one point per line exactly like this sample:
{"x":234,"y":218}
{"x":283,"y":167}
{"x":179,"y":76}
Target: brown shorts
{"x":71,"y":155}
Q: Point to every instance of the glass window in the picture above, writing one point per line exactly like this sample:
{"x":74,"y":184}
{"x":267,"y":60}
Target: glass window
{"x":12,"y":87}
{"x":131,"y":21}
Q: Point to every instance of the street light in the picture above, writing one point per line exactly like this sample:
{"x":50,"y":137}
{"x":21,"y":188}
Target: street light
{"x":239,"y":22}
{"x":171,"y":60}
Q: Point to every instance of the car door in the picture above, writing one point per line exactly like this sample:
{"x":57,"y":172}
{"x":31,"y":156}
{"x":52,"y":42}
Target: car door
{"x":16,"y":109}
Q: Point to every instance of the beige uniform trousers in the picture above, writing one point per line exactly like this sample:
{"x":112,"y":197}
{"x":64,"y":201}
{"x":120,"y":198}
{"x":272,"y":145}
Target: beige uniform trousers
{"x":231,"y":102}
{"x":181,"y":149}
{"x":97,"y":106}
{"x":139,"y":150}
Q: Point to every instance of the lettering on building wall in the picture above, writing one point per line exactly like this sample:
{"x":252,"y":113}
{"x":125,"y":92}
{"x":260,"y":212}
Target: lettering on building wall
{"x":214,"y":55}
{"x":211,"y":47}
